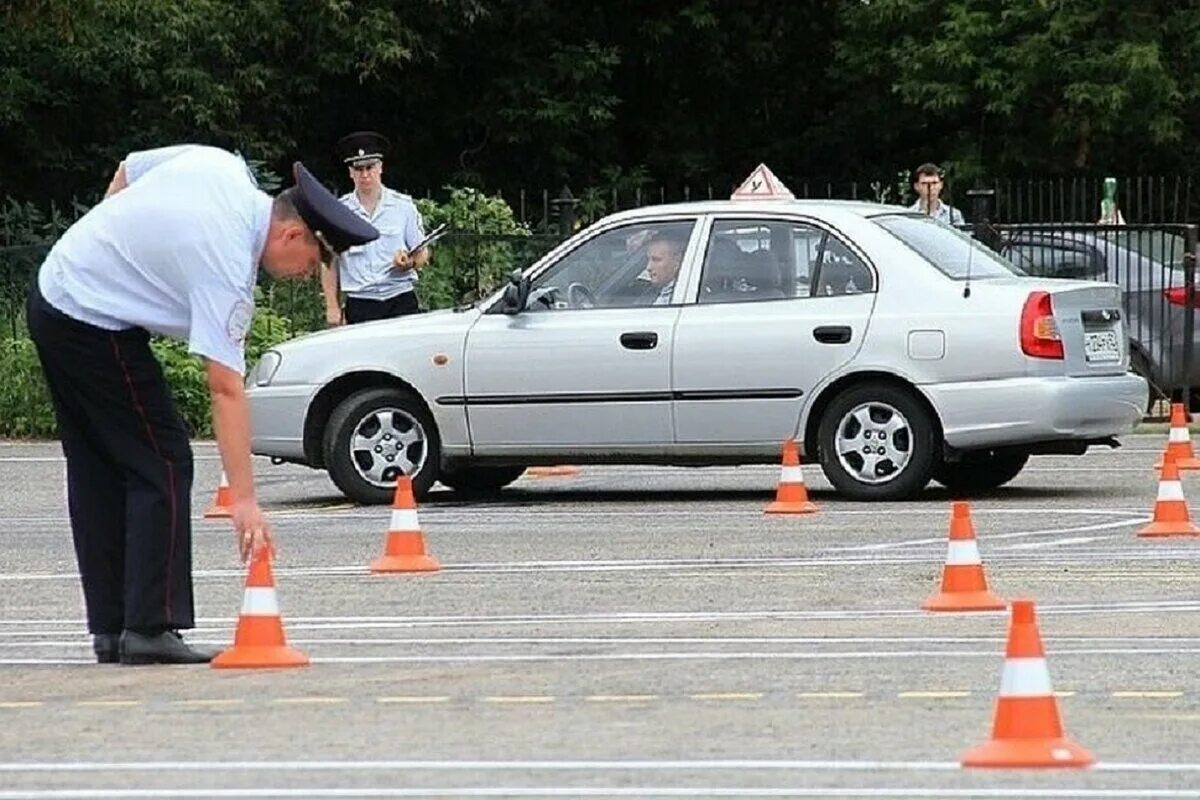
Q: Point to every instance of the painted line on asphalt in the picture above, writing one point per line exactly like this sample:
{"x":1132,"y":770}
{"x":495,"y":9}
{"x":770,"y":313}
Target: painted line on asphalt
{"x":994,"y":537}
{"x":108,"y":703}
{"x":1148,"y":695}
{"x":595,"y":791}
{"x":642,"y":617}
{"x":565,"y":765}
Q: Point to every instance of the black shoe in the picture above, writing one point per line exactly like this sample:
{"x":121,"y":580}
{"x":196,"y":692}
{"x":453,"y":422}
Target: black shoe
{"x":167,"y":647}
{"x":106,"y":646}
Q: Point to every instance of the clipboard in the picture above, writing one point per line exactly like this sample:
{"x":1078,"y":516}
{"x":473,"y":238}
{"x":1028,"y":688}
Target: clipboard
{"x":434,"y":235}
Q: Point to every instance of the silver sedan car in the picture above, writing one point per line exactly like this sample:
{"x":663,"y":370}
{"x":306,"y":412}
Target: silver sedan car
{"x":893,"y":348}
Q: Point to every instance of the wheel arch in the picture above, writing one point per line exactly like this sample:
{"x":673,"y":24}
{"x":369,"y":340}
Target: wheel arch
{"x":337,"y":390}
{"x":816,"y":412}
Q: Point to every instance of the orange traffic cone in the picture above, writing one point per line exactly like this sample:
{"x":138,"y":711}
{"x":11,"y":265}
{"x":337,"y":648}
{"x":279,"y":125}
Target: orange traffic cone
{"x":964,"y":586}
{"x":1179,"y":442}
{"x":222,"y":506}
{"x":404,"y":550}
{"x":1026,"y":731}
{"x":560,"y":471}
{"x":1171,"y":515}
{"x":791,"y":496}
{"x":259,"y":641}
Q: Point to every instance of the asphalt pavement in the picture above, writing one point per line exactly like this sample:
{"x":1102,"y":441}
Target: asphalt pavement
{"x":625,"y":632}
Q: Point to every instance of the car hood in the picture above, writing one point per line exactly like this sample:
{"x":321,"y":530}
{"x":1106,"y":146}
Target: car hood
{"x":438,"y":322}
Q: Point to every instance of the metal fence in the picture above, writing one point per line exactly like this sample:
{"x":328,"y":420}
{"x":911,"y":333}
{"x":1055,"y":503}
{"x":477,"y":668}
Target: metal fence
{"x":1140,"y":199}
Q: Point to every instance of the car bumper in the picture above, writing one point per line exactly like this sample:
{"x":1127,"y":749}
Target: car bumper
{"x":277,"y":416}
{"x":1028,"y":410}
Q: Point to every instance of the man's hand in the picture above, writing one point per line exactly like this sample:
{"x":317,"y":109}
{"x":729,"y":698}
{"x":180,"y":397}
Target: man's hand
{"x":333,"y":317}
{"x":253,"y":530}
{"x":402,"y":260}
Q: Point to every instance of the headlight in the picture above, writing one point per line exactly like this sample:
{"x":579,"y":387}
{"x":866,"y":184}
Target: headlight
{"x":264,"y":371}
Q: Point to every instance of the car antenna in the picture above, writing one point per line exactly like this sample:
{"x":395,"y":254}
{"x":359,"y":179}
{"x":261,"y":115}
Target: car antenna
{"x":970,"y":258}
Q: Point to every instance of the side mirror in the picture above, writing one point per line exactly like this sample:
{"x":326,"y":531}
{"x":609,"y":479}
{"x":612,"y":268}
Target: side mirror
{"x":516,"y":293}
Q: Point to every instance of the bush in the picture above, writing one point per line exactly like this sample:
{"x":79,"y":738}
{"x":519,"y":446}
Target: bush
{"x":25,"y":408}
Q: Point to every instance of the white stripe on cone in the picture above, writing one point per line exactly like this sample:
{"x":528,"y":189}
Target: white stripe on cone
{"x":791,"y":475}
{"x":404,"y":519}
{"x":224,"y":481}
{"x":1178,"y":435}
{"x":962,"y":553}
{"x":1025,"y":677}
{"x":1170,"y":490}
{"x":260,"y":602}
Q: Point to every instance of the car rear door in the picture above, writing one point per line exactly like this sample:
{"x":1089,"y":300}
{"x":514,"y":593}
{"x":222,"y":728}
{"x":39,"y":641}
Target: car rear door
{"x":779,"y":304}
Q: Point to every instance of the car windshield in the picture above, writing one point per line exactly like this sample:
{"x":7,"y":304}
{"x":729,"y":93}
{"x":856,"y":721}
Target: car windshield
{"x":952,"y":252}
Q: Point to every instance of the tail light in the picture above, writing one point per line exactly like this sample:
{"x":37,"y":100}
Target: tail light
{"x":1178,"y":297}
{"x":1039,"y":331}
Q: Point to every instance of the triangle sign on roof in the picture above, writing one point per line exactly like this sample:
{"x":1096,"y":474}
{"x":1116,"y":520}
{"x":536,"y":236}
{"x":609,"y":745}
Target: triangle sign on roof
{"x":762,"y":185}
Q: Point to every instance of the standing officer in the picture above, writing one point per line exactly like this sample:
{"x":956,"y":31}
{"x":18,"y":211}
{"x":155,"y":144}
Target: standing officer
{"x":173,"y":249}
{"x":379,"y":279}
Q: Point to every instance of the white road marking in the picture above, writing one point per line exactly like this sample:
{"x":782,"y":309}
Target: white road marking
{"x":623,"y":791}
{"x":992,"y":537}
{"x":1057,"y":542}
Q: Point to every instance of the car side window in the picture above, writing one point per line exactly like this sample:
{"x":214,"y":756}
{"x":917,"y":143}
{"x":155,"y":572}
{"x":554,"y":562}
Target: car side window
{"x":634,"y":265}
{"x":749,"y":260}
{"x":841,"y":271}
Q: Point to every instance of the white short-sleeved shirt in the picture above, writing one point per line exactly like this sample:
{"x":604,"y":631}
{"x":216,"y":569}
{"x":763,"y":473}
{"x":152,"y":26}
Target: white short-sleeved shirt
{"x":366,"y":270}
{"x":945,"y":213}
{"x":176,"y":252}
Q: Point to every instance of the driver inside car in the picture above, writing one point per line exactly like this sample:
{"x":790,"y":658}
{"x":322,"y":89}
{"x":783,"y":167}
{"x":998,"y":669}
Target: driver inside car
{"x":663,"y":257}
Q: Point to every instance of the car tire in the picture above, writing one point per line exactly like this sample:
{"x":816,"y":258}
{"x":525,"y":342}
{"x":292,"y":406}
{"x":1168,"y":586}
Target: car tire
{"x":979,"y":472}
{"x":365,"y":476}
{"x":480,"y":481}
{"x":916,"y":444}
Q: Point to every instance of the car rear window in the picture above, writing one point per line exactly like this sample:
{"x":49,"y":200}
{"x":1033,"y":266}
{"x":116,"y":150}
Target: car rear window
{"x":948,"y":249}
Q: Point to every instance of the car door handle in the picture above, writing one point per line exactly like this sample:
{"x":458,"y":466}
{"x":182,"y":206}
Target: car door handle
{"x":639,"y":340}
{"x":832,"y":334}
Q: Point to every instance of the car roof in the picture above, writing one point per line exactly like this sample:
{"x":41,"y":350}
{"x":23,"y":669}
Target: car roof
{"x":860,"y":208}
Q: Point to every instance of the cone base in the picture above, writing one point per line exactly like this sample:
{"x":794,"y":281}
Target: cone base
{"x":552,"y":472}
{"x":218,"y":512}
{"x":791,"y":507}
{"x":1029,"y":753}
{"x":964,"y":601}
{"x":385,"y":564}
{"x":1184,"y":464}
{"x":1160,"y":529}
{"x":259,"y":658}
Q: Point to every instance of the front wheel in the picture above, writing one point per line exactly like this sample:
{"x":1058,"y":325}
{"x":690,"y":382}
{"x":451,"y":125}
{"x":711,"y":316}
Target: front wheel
{"x":376,"y":435}
{"x":979,"y":472}
{"x":877,"y":442}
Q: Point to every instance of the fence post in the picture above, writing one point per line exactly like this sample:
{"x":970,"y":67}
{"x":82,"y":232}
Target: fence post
{"x":564,"y":206}
{"x":982,"y":208}
{"x":1189,"y":325}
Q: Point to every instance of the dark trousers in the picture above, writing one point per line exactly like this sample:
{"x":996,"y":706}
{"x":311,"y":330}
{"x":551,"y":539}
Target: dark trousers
{"x":129,"y":471}
{"x":359,"y":310}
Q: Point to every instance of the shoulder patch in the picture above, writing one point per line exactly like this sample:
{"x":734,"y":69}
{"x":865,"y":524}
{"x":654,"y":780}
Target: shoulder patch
{"x":238,"y":324}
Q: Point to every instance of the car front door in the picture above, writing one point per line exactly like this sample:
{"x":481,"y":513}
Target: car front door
{"x":779,"y":306}
{"x":586,"y":364}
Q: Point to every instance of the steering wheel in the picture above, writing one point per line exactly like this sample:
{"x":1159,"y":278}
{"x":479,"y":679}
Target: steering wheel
{"x":579,"y":296}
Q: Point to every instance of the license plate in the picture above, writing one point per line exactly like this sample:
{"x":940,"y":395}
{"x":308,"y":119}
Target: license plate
{"x":1101,"y":346}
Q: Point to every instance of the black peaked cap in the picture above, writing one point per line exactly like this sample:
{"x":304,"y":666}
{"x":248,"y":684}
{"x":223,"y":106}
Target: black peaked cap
{"x":328,"y":219}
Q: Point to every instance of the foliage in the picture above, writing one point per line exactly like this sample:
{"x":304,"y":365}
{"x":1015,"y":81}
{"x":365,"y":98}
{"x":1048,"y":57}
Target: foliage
{"x":25,"y":408}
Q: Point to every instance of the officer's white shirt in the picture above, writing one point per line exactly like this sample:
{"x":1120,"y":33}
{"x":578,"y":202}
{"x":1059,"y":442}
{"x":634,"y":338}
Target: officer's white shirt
{"x":176,"y":252}
{"x":366,"y":270}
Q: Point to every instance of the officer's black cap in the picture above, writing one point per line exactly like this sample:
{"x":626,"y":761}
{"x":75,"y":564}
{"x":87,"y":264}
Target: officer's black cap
{"x":362,"y":147}
{"x":335,"y":226}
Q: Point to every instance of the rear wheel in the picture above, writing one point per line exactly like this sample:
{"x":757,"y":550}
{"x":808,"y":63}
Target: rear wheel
{"x":480,"y":481}
{"x":979,"y":472}
{"x":877,"y":442}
